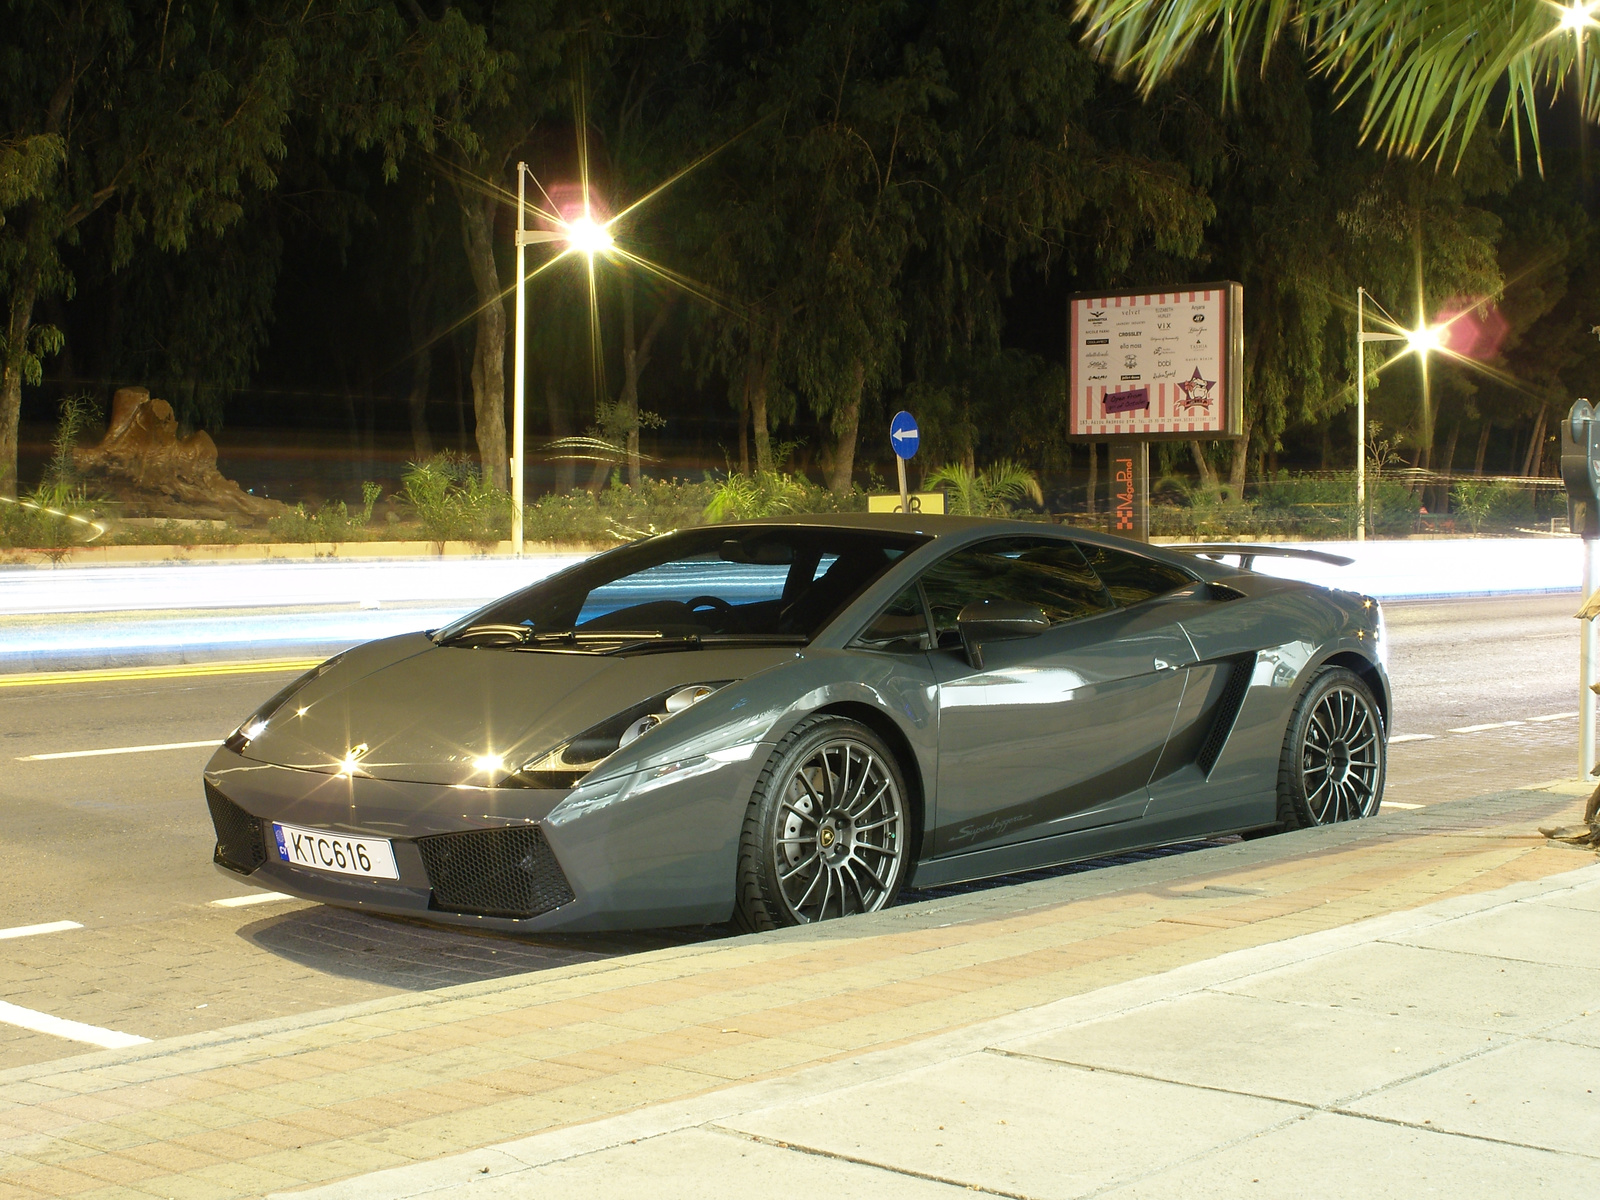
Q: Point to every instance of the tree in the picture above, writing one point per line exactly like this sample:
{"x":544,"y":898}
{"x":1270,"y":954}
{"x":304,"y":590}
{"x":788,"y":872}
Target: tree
{"x":161,"y":122}
{"x":1426,"y":70}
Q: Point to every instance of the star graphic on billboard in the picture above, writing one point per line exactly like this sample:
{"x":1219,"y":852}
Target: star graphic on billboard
{"x":1196,"y":391}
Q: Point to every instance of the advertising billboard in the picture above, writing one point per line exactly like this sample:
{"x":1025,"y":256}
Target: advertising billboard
{"x":1157,"y":365}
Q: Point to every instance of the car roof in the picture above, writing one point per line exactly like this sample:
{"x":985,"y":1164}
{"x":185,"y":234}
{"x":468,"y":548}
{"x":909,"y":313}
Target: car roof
{"x":941,"y":527}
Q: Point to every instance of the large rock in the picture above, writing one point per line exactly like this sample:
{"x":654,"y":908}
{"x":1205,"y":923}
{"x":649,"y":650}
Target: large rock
{"x":144,"y":465}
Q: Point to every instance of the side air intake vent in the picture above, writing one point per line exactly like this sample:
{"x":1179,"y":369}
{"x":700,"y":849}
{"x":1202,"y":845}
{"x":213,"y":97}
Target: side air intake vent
{"x":507,"y":872}
{"x":240,"y":845}
{"x":1228,"y":706}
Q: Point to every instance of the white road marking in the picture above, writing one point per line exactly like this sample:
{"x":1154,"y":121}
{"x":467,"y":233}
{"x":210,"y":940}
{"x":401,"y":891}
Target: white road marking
{"x":77,"y":1031}
{"x":1412,"y":737}
{"x":1554,"y":717}
{"x":1397,"y":804}
{"x":29,"y":930}
{"x":117,"y":750}
{"x":1481,"y":728}
{"x":253,"y":898}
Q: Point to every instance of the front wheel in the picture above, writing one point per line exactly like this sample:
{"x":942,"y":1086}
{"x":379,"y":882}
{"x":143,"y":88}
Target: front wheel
{"x":825,"y":834}
{"x":1332,"y":765}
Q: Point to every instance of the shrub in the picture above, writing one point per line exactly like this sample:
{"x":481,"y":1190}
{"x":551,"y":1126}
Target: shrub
{"x":993,"y":491}
{"x":452,"y":503}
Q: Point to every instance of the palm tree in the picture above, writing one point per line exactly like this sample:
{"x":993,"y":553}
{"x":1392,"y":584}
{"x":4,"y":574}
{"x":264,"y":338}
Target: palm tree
{"x":987,"y":493}
{"x":1428,"y":68}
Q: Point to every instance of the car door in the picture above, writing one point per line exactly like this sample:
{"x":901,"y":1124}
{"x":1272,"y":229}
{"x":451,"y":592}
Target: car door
{"x":1056,"y":732}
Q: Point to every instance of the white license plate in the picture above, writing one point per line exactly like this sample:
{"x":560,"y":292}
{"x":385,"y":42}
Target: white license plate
{"x":320,"y":850}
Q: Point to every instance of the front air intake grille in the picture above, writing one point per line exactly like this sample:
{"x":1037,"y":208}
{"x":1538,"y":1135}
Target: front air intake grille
{"x":240,"y":845}
{"x":507,"y":872}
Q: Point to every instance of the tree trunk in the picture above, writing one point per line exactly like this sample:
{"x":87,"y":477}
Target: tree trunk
{"x":566,"y":471}
{"x":1532,"y":460}
{"x":18,"y":324}
{"x":759,"y":430}
{"x":846,"y":425}
{"x":1208,"y":474}
{"x":635,"y":358}
{"x":489,"y":355}
{"x":1442,"y":491}
{"x":744,"y":419}
{"x":1483,"y":447}
{"x":1241,"y":463}
{"x":417,"y":404}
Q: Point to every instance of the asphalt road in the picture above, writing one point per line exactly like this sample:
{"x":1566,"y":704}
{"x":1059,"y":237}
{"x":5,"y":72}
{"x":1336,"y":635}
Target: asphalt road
{"x":121,"y":843}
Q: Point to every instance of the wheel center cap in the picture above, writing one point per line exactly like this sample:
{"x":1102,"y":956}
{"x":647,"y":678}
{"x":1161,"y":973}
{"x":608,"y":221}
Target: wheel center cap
{"x":826,"y":837}
{"x":1339,"y":761}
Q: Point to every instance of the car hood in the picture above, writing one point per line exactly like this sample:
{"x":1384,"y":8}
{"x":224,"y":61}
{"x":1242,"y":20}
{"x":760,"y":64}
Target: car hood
{"x":425,"y":717}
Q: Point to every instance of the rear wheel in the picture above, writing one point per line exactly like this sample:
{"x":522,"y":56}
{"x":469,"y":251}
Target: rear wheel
{"x":1332,"y":765}
{"x":825,"y":834}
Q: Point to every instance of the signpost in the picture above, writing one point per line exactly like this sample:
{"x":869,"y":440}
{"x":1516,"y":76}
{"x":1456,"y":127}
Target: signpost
{"x":903,"y":440}
{"x":1154,"y":366}
{"x":1580,"y":471}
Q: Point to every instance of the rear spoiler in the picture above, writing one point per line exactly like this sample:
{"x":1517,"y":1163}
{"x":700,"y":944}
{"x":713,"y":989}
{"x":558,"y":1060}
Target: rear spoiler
{"x":1249,"y":553}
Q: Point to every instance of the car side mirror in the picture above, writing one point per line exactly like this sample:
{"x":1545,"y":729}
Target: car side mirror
{"x":997,"y":621}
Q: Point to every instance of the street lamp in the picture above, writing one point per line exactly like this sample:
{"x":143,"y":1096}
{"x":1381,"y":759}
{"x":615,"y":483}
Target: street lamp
{"x":582,"y":235}
{"x":1423,"y":340}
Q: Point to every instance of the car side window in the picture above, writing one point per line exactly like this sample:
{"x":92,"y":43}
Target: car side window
{"x":1047,"y":572}
{"x":1132,"y":578}
{"x":902,"y":627}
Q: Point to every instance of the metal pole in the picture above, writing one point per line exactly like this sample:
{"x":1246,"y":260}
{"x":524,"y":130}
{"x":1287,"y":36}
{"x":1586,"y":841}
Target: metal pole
{"x":1588,"y":654}
{"x":518,"y":376}
{"x":1361,"y":418}
{"x":905,"y":500}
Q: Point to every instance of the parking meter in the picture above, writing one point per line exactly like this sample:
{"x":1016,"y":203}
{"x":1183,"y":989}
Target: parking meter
{"x":1580,"y":469}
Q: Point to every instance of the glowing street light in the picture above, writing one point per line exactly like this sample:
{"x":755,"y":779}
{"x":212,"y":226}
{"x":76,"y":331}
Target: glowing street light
{"x":1576,"y":18}
{"x":1424,"y":340}
{"x":582,"y":235}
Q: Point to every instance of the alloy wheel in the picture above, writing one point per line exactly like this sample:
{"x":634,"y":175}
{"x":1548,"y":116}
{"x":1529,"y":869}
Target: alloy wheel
{"x":1340,"y":757}
{"x":840,"y":832}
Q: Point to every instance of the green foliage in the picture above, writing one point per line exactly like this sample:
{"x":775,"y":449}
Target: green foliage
{"x":449,"y":498}
{"x":333,"y":522}
{"x":1472,"y":500}
{"x":770,"y":494}
{"x":991,"y":491}
{"x":1425,"y":73}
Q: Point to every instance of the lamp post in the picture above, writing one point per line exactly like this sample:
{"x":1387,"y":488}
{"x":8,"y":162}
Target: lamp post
{"x":1422,"y":339}
{"x":582,"y":235}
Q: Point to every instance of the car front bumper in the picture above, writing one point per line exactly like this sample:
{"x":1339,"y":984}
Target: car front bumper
{"x":637,"y":851}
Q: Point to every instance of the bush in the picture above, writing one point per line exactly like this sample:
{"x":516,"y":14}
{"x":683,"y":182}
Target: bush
{"x":452,"y":503}
{"x":772,"y":494}
{"x":994,"y":491}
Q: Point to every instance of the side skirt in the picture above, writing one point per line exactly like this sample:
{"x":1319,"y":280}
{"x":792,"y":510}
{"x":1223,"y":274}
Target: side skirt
{"x":1212,"y":821}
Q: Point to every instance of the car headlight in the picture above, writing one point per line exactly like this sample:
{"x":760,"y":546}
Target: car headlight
{"x":569,"y":762}
{"x":255,"y":725}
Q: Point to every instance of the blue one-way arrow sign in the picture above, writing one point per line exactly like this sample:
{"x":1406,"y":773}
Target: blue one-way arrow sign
{"x":903,"y":436}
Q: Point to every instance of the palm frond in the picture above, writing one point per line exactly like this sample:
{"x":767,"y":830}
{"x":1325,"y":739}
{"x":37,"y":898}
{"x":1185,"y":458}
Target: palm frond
{"x":1425,"y":71}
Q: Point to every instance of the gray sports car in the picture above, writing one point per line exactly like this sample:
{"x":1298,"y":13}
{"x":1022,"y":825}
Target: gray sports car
{"x":778,"y":722}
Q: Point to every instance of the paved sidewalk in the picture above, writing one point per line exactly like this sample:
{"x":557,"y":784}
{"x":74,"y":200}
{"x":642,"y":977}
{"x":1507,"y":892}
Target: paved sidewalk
{"x":1448,"y":1050}
{"x":405,"y":1080}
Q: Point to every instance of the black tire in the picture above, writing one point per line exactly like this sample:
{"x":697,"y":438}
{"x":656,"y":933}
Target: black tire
{"x":1333,"y":762}
{"x":821,"y":840}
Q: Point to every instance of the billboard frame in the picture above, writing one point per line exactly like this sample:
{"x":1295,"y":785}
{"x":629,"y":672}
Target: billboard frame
{"x":1232,"y":409}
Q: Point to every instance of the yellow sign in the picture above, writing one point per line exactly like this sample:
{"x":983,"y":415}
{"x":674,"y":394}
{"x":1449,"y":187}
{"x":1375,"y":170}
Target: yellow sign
{"x":921,"y":502}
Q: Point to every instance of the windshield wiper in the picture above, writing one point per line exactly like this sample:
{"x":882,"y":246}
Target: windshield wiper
{"x":500,"y":635}
{"x":651,"y":643}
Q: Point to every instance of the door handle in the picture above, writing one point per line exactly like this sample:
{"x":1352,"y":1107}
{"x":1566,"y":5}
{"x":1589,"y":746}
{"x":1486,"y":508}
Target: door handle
{"x":1162,"y":664}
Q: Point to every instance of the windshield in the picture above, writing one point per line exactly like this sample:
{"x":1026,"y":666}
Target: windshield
{"x":761,"y":583}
